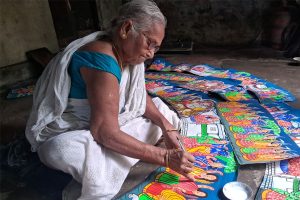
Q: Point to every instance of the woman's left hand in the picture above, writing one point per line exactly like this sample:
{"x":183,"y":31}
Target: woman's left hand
{"x":171,"y":138}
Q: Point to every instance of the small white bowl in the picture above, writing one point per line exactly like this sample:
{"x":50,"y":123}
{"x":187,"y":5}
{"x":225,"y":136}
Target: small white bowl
{"x":296,"y":59}
{"x":237,"y":191}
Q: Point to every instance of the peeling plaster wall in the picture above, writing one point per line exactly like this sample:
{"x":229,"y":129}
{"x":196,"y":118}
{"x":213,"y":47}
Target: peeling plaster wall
{"x":25,"y":25}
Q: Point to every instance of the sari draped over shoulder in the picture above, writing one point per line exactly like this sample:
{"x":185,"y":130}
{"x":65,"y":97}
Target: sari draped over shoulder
{"x":50,"y":99}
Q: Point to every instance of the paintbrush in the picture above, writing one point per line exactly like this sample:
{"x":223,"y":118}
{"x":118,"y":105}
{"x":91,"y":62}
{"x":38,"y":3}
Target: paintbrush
{"x":181,"y":145}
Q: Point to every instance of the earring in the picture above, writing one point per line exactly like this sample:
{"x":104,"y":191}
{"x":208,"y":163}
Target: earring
{"x":124,"y":36}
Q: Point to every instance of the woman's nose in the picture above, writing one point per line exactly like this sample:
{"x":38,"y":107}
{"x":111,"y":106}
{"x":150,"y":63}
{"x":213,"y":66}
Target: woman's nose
{"x":150,"y":54}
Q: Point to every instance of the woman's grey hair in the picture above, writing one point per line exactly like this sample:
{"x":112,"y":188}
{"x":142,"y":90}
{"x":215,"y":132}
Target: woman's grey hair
{"x":143,"y":13}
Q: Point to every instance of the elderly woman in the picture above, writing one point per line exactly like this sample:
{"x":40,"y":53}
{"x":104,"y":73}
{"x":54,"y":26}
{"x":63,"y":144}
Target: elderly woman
{"x":91,"y":115}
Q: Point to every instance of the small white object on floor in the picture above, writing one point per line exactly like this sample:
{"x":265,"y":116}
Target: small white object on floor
{"x":297,"y":59}
{"x":237,"y":191}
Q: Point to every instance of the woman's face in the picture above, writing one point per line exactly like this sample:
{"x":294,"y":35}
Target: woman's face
{"x":140,"y":46}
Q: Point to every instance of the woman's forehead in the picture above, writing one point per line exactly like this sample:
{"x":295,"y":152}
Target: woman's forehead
{"x":156,"y":32}
{"x":157,"y":28}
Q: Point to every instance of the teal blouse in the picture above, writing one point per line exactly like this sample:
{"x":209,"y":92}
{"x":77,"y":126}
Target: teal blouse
{"x":95,"y":60}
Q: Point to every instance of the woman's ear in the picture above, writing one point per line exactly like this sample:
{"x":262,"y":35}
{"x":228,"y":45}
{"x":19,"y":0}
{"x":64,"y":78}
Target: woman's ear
{"x":125,"y":28}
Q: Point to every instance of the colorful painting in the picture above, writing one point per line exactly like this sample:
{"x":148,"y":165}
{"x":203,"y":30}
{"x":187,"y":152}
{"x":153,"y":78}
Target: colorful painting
{"x":208,"y":70}
{"x":205,"y":118}
{"x":281,"y":181}
{"x":254,"y":134}
{"x":171,"y":76}
{"x":289,"y":167}
{"x":279,"y":187}
{"x":160,"y":64}
{"x":263,"y":89}
{"x":183,"y":67}
{"x":235,"y":93}
{"x":258,"y":133}
{"x":266,"y":91}
{"x":205,"y":133}
{"x":193,"y":108}
{"x":209,"y":84}
{"x":287,"y":117}
{"x":21,"y":91}
{"x":190,"y":106}
{"x":154,"y":87}
{"x":214,"y":167}
{"x":228,"y":89}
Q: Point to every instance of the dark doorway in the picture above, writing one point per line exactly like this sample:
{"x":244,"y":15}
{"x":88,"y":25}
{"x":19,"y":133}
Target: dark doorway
{"x":73,"y":19}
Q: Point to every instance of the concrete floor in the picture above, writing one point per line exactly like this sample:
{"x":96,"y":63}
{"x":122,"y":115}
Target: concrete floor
{"x":44,"y":183}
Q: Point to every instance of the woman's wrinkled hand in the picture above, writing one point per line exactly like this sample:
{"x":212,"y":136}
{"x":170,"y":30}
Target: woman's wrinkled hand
{"x":171,"y":138}
{"x":181,"y":161}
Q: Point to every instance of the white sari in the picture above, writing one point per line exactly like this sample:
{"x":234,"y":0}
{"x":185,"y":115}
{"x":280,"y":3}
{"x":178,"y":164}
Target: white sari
{"x":58,"y":127}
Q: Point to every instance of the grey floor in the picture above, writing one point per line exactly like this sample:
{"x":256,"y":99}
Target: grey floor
{"x":31,"y":180}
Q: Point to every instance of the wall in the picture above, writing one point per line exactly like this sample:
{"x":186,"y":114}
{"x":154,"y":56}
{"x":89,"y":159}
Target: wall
{"x":214,"y":22}
{"x":206,"y":22}
{"x":107,"y":10}
{"x":25,"y":25}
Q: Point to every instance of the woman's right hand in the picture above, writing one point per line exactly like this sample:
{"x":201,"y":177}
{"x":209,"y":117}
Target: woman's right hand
{"x":181,"y":162}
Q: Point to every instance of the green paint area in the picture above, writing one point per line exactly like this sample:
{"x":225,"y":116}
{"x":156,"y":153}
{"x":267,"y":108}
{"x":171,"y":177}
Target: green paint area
{"x":255,"y":137}
{"x":294,"y":195}
{"x":248,"y":150}
{"x":145,"y":197}
{"x":237,"y":129}
{"x":168,"y":178}
{"x":243,"y":73}
{"x":205,"y":138}
{"x":232,"y":94}
{"x":225,"y":110}
{"x":230,"y":164}
{"x":272,"y":125}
